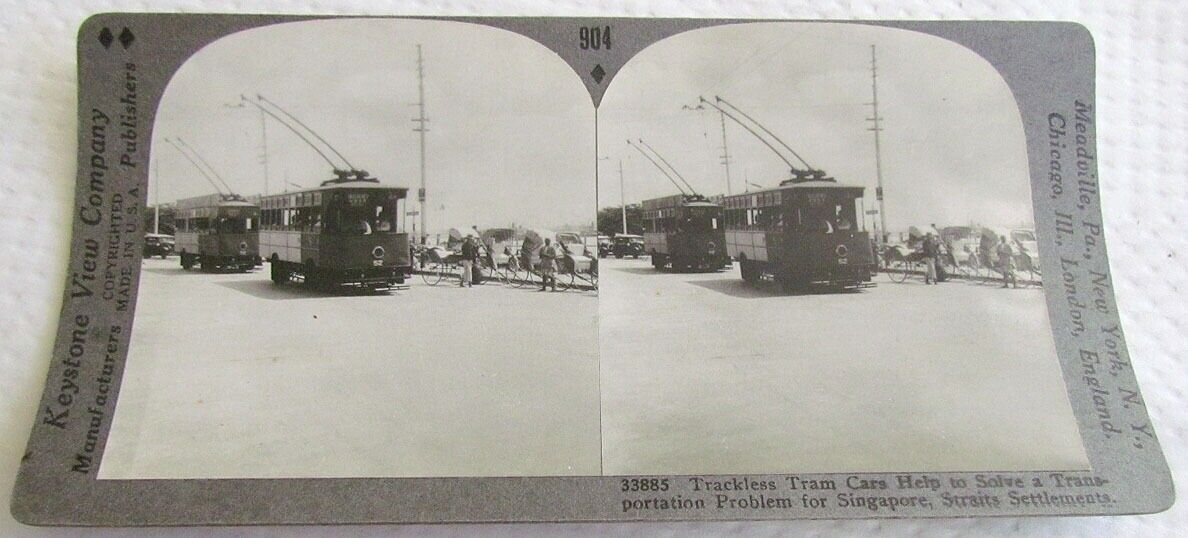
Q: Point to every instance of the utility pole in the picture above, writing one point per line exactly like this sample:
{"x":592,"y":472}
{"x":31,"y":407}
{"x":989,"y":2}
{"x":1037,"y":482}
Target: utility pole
{"x":156,"y":196}
{"x":725,"y":152}
{"x":877,"y":128}
{"x":622,"y":197}
{"x":264,"y":148}
{"x":421,"y":128}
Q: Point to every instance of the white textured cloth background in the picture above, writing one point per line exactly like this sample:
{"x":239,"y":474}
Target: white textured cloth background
{"x":1142,"y":63}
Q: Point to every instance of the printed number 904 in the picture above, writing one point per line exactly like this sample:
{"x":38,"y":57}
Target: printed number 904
{"x":645,"y":484}
{"x":594,"y":37}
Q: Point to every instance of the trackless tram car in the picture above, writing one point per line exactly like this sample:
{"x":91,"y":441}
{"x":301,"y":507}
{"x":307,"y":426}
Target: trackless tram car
{"x":686,"y":232}
{"x":348,"y":231}
{"x":217,"y":232}
{"x":800,"y":233}
{"x":683,"y":231}
{"x":804,"y":232}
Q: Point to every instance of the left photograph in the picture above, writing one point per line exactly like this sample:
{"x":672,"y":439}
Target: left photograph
{"x":370,"y":252}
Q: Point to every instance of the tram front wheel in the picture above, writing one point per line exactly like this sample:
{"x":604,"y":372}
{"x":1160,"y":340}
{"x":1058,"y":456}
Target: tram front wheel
{"x":279,"y":275}
{"x":749,"y":270}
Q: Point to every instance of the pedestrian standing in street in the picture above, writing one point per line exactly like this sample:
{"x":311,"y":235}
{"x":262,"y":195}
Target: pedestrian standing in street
{"x":931,"y":252}
{"x":1006,"y":262}
{"x":469,"y":253}
{"x":944,"y":254}
{"x":548,"y":265}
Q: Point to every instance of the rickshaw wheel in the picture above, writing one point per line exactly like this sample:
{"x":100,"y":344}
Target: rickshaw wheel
{"x":564,"y":280}
{"x":516,"y":275}
{"x":899,"y":270}
{"x":432,"y":273}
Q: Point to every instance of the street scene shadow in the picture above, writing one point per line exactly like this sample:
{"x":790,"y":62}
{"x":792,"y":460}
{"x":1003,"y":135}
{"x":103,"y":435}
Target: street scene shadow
{"x":178,"y":271}
{"x":644,"y":271}
{"x":265,"y":289}
{"x":763,"y":290}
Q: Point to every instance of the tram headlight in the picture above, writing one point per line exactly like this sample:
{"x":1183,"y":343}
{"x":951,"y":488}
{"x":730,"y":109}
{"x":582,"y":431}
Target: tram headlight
{"x":842,"y":251}
{"x":377,"y":252}
{"x":243,"y":248}
{"x":711,"y":248}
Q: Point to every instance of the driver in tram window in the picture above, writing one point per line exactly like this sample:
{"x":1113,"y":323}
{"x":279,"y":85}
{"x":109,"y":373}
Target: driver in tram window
{"x":382,"y":222}
{"x":843,"y":224}
{"x":363,"y":227}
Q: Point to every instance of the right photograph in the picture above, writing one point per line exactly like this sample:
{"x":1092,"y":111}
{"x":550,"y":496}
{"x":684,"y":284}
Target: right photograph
{"x":819,"y":255}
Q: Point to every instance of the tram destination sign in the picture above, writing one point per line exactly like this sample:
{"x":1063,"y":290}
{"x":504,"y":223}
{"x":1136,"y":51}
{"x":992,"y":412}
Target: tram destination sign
{"x":860,"y":288}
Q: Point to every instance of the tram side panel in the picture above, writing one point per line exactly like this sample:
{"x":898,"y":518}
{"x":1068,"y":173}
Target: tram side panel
{"x":656,"y":244}
{"x":186,"y":243}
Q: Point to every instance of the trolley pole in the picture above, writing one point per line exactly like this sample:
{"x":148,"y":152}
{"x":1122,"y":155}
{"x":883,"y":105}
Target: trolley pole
{"x":725,"y":151}
{"x":264,"y":148}
{"x":876,"y":128}
{"x":622,"y":197}
{"x":422,"y":128}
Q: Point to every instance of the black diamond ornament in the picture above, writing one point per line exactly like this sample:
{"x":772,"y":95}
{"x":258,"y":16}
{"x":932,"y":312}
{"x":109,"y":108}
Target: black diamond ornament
{"x":598,"y":73}
{"x":106,"y":37}
{"x":126,"y":38}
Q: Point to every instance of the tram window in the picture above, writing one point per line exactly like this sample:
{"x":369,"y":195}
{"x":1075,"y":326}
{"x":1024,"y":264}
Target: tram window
{"x":231,"y":225}
{"x":314,"y":223}
{"x":362,"y":213}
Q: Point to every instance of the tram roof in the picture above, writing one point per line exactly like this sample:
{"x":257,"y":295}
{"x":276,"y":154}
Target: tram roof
{"x":339,"y":185}
{"x":678,"y":200}
{"x":831,"y":185}
{"x":213,"y":200}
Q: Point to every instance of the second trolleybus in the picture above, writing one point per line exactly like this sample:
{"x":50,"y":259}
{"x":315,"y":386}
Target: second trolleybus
{"x":685,"y":232}
{"x":217,"y":232}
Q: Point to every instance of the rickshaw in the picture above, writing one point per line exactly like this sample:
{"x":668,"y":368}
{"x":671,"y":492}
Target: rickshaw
{"x":1024,"y":254}
{"x":906,"y":257}
{"x":523,"y":264}
{"x":440,"y":261}
{"x":578,"y":266}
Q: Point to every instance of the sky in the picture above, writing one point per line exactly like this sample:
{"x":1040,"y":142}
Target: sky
{"x":511,"y":126}
{"x":953,"y":148}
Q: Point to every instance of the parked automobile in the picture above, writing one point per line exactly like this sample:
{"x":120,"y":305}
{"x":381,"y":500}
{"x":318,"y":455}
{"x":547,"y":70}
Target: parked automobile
{"x":627,"y":245}
{"x":158,"y":245}
{"x":604,"y":246}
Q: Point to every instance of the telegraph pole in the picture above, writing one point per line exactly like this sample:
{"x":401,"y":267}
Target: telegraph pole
{"x":876,"y":128}
{"x":622,"y":197}
{"x":725,"y":151}
{"x":421,"y":128}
